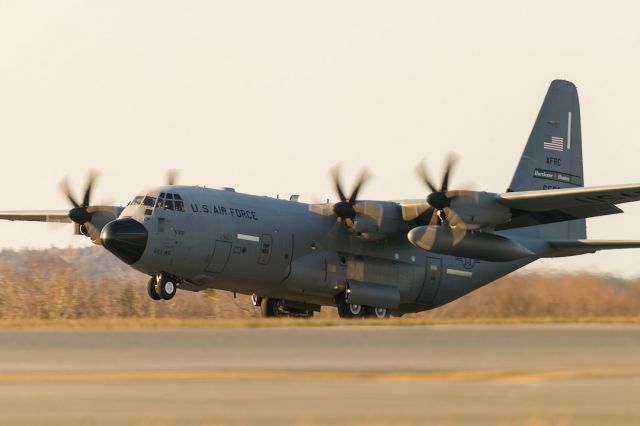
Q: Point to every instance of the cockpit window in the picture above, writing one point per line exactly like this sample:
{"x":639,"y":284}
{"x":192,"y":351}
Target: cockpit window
{"x":170,"y":202}
{"x":137,"y":200}
{"x":149,"y":201}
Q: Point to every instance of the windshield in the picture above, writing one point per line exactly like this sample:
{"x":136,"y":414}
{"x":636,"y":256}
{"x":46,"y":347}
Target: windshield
{"x":149,"y":201}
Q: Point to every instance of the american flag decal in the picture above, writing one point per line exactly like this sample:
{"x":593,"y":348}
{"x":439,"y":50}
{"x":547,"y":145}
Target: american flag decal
{"x":554,"y":143}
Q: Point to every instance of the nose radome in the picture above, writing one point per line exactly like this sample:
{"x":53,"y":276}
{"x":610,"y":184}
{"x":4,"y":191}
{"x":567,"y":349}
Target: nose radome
{"x":125,"y":238}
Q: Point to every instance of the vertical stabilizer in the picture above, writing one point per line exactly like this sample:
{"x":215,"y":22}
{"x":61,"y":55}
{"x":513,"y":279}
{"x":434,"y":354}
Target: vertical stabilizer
{"x":552,"y":158}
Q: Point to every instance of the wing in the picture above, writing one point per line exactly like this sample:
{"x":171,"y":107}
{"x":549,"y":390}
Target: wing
{"x":577,"y":247}
{"x":529,"y":208}
{"x":60,"y":216}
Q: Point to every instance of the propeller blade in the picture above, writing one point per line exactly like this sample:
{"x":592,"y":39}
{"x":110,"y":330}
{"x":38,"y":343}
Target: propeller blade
{"x":335,"y":176}
{"x":458,"y":234}
{"x":364,"y":176}
{"x":451,"y":161}
{"x":86,"y":200}
{"x":66,"y":190}
{"x":172,"y":176}
{"x":421,"y":170}
{"x":94,"y":233}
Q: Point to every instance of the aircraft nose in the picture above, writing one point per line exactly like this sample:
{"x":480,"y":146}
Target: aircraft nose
{"x":125,"y":238}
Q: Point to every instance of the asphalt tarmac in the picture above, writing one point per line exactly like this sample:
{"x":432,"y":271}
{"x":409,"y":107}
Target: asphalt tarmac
{"x":436,"y":375}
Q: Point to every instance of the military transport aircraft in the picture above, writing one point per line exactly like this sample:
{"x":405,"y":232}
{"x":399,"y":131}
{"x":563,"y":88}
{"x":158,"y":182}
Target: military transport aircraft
{"x":368,"y":258}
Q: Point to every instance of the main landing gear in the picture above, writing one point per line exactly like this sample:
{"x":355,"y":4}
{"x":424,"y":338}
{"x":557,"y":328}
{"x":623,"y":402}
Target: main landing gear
{"x":270,"y":307}
{"x":353,"y":311}
{"x":162,"y":287}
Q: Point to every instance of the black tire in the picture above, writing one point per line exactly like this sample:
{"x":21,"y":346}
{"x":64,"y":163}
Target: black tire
{"x":348,"y":310}
{"x":377,"y":312}
{"x":166,"y":288}
{"x":268,"y":307}
{"x":151,"y":289}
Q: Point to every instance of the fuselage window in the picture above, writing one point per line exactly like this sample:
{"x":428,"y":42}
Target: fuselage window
{"x":169,"y":196}
{"x":149,"y":201}
{"x":179,"y":206}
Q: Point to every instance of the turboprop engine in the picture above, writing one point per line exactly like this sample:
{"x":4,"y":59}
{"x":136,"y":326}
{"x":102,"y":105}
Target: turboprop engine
{"x":475,"y":245}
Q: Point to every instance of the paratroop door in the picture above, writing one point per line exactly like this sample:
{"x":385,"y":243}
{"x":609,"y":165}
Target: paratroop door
{"x":431,"y":280}
{"x":220,"y":256}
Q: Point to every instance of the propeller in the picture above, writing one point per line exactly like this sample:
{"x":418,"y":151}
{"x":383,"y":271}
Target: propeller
{"x":81,"y":212}
{"x":345,"y":208}
{"x":440,"y":200}
{"x":172,"y":176}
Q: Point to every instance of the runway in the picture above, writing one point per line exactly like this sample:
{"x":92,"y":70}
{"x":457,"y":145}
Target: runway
{"x":449,"y":375}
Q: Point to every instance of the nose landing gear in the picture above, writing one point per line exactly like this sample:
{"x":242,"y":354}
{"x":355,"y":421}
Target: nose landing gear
{"x":162,"y":287}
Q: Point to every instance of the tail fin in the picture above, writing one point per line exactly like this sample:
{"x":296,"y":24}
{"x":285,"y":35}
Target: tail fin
{"x":552,"y":158}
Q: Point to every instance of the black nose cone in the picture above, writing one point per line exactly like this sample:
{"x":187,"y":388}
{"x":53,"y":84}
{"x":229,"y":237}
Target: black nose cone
{"x":126,"y":238}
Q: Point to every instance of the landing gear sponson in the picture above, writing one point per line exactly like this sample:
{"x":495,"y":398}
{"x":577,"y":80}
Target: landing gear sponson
{"x":270,"y":307}
{"x":162,"y":287}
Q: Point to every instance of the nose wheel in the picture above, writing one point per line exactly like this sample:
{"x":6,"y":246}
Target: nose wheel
{"x":151,"y":289}
{"x":161,"y":287}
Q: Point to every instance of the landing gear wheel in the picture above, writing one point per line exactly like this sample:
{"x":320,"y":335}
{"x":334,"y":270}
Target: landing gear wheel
{"x":348,"y":310}
{"x":378,"y":313}
{"x":269,"y":307}
{"x":256,"y":300}
{"x":151,"y":289}
{"x":166,"y":288}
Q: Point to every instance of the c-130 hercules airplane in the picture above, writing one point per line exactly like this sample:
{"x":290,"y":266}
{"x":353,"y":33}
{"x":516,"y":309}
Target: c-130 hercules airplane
{"x":368,"y":258}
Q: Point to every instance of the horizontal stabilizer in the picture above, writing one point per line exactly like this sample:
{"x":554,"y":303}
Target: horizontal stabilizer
{"x":577,"y":247}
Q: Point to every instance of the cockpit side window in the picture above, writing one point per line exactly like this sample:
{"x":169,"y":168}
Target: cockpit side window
{"x":137,"y":200}
{"x":179,"y":206}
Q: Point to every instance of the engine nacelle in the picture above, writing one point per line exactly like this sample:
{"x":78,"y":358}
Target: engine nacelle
{"x":474,"y":245}
{"x":377,"y":219}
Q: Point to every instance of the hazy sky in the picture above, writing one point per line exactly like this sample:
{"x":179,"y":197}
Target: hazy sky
{"x":267,"y":96}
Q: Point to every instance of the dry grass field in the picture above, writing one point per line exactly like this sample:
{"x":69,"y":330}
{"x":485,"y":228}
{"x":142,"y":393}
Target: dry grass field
{"x":88,"y":287}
